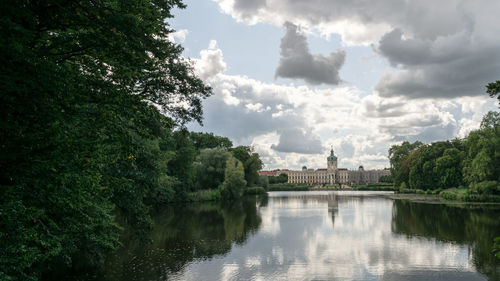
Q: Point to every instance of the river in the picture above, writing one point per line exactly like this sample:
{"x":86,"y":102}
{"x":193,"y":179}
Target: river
{"x":315,"y":235}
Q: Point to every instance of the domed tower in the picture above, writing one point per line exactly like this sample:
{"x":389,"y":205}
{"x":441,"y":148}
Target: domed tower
{"x":332,"y":161}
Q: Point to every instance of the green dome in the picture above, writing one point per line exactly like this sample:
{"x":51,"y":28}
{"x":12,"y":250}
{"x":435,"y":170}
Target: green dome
{"x":332,"y":157}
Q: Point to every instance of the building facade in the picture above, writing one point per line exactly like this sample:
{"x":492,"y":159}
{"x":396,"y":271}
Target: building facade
{"x":334,"y":175}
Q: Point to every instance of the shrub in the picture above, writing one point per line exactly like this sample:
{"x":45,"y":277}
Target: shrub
{"x":486,"y":187}
{"x":264,"y":181}
{"x":448,"y":195}
{"x":204,"y":195}
{"x":255,"y":190}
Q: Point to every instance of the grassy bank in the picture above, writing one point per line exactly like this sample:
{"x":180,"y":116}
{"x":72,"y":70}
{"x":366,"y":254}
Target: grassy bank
{"x":204,"y":195}
{"x":288,"y":187}
{"x":375,"y":187}
{"x":215,"y":195}
{"x":465,"y":195}
{"x":446,"y":196}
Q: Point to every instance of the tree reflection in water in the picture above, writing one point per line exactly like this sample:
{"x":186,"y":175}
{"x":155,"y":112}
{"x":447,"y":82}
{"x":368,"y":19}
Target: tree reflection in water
{"x":475,"y":226}
{"x":184,"y":233}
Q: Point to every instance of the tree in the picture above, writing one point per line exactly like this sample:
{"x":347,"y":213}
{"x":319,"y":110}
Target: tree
{"x":251,"y":162}
{"x":386,"y":179}
{"x":181,"y":166}
{"x":493,"y":89}
{"x":234,"y":179}
{"x":398,"y":157}
{"x":211,"y":167}
{"x":264,"y":181}
{"x":281,"y":178}
{"x":209,"y":140}
{"x":81,"y":83}
{"x":449,"y":168}
{"x":482,"y":161}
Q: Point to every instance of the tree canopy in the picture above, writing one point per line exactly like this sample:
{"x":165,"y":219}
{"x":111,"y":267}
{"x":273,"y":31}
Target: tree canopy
{"x":472,"y":162}
{"x":93,"y":96}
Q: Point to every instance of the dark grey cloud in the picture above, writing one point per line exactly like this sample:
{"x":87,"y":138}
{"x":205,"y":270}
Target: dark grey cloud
{"x":298,"y":141}
{"x":442,"y":49}
{"x":444,"y":68}
{"x":297,"y":62}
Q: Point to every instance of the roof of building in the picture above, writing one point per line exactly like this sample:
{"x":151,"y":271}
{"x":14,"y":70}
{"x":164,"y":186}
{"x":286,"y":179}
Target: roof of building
{"x":332,"y":156}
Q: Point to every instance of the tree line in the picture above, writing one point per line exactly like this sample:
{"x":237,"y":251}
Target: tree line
{"x":472,"y":163}
{"x":94,"y":101}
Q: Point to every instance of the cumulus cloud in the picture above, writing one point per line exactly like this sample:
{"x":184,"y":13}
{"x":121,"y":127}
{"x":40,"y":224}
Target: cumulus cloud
{"x":211,"y":62}
{"x":178,"y":36}
{"x":297,"y":62}
{"x":441,"y":49}
{"x":298,"y":141}
{"x":291,"y":126}
{"x":446,"y":67}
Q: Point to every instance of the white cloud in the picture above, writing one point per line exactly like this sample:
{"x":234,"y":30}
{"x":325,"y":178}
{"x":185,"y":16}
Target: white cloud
{"x":211,"y":62}
{"x":286,"y":123}
{"x":178,"y":36}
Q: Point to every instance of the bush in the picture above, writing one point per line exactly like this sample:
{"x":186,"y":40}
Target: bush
{"x":448,"y":195}
{"x":264,"y":181}
{"x":288,"y":187}
{"x":482,"y":198}
{"x":204,"y":195}
{"x":403,"y":187}
{"x":257,"y":190}
{"x":281,"y":178}
{"x":486,"y":187}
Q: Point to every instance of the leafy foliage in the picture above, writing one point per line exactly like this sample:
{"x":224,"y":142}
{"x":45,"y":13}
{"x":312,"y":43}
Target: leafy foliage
{"x":385,"y":179}
{"x":234,"y":179}
{"x":493,"y":89}
{"x":473,"y":162}
{"x":399,"y":156}
{"x":251,"y":163}
{"x":281,"y":178}
{"x":211,"y":167}
{"x":82,"y":85}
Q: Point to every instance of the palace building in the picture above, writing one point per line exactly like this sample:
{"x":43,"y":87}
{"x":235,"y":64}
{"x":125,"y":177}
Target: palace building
{"x":334,"y":175}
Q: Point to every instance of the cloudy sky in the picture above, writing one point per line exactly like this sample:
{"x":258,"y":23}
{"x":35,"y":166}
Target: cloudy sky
{"x":292,"y":78}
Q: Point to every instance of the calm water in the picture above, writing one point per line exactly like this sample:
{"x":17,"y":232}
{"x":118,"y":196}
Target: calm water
{"x":314,"y":236}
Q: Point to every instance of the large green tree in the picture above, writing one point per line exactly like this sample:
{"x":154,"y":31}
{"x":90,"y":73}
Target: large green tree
{"x":234,"y":179}
{"x":399,"y":157}
{"x":482,"y":146}
{"x":81,"y":84}
{"x":493,"y":89}
{"x":211,"y":166}
{"x":209,"y":140}
{"x":251,"y":163}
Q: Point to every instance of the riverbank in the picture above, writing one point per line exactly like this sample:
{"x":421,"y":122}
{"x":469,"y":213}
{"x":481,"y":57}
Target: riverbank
{"x":436,"y":199}
{"x":304,"y":187}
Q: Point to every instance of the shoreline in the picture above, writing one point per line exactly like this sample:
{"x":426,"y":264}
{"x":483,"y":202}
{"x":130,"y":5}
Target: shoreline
{"x":434,"y":199}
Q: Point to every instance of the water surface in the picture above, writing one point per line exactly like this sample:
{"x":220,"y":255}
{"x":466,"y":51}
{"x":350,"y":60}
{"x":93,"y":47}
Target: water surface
{"x":314,"y":236}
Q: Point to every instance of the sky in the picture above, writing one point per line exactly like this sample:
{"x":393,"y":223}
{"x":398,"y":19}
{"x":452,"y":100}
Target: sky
{"x":294,"y":78}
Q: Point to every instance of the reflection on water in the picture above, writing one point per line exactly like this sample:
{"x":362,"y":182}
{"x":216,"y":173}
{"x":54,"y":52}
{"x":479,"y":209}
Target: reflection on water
{"x":314,"y":236}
